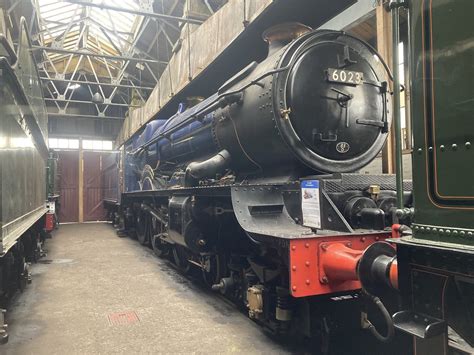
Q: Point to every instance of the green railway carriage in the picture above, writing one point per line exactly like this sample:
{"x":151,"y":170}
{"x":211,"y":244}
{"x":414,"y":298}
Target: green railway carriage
{"x":436,"y":261}
{"x":23,"y":160}
{"x":443,"y":106}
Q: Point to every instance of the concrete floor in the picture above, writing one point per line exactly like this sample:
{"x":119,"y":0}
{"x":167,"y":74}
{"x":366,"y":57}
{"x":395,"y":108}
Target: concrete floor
{"x":90,"y":273}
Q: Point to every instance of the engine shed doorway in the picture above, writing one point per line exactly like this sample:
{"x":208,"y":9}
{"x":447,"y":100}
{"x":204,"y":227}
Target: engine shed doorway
{"x":93,"y":189}
{"x":81,"y":185}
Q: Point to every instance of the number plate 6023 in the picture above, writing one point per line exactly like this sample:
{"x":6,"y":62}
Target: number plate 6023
{"x":348,"y":77}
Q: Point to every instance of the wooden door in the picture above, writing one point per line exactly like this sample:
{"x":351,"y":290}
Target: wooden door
{"x":68,"y":170}
{"x":94,"y":189}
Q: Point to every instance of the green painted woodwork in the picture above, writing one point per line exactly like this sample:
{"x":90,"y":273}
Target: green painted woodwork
{"x":442,"y":69}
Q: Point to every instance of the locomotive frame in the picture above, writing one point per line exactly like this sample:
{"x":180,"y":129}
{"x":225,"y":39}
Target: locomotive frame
{"x":299,"y":271}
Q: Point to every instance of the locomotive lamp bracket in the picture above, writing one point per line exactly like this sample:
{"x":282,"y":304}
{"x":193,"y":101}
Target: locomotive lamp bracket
{"x":346,"y":60}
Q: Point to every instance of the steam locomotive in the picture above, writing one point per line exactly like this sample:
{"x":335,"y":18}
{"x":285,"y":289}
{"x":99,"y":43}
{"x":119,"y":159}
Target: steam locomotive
{"x":257,"y":187}
{"x":318,"y":104}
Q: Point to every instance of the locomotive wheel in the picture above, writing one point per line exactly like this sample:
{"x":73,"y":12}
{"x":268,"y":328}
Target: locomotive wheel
{"x":181,"y":257}
{"x":129,"y":224}
{"x":213,"y":268}
{"x":143,"y":227}
{"x":160,"y":248}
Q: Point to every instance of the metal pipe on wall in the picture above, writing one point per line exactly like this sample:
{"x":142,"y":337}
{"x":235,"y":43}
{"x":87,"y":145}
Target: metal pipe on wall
{"x":395,"y":9}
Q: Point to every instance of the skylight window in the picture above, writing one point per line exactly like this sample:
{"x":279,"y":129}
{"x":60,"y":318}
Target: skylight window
{"x":75,"y":27}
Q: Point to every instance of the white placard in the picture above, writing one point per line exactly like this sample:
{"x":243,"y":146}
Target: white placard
{"x":310,"y":203}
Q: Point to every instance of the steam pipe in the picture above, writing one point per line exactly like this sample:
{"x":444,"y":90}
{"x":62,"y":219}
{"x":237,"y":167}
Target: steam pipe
{"x":208,"y":168}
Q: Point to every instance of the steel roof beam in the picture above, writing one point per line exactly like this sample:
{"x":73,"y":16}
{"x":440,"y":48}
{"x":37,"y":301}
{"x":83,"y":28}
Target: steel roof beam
{"x":59,"y":115}
{"x":60,"y":25}
{"x":136,"y":12}
{"x":129,"y":52}
{"x":88,"y":102}
{"x":98,"y":55}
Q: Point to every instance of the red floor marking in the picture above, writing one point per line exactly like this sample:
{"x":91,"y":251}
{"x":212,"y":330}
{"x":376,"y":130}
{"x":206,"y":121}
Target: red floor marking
{"x":122,"y":318}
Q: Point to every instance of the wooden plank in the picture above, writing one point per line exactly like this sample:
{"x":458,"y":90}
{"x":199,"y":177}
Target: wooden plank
{"x":81,"y":186}
{"x":207,"y":43}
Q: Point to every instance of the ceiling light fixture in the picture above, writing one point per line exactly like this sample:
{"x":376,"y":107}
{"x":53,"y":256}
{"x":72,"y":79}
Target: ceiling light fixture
{"x":97,"y":98}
